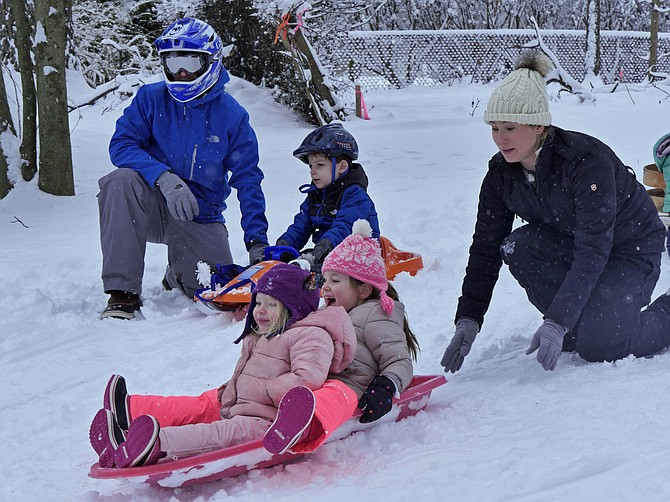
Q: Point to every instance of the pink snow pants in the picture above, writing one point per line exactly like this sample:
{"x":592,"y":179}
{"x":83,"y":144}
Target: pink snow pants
{"x":191,"y":425}
{"x":335,"y":404}
{"x":177,"y":410}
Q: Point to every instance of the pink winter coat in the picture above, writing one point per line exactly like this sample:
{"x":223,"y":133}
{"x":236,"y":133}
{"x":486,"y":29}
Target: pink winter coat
{"x":322,"y":342}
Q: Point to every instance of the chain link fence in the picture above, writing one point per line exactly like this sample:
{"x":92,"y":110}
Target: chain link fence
{"x":396,"y":59}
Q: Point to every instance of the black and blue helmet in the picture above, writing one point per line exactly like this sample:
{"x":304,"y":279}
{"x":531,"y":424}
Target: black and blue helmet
{"x":331,"y":139}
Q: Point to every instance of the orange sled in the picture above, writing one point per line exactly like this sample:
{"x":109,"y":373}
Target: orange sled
{"x":232,"y":285}
{"x":236,"y":292}
{"x":397,"y":261}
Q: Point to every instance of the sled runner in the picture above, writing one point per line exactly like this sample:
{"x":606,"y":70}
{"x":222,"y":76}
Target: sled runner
{"x":231,"y":285}
{"x":241,"y":458}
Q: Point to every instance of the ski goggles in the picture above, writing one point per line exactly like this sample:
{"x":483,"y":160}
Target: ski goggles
{"x":190,"y":62}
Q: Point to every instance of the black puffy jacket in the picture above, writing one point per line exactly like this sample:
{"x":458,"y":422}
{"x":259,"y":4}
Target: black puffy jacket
{"x":583,"y":191}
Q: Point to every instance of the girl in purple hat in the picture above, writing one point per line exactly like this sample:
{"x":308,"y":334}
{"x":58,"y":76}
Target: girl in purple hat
{"x":287,"y":345}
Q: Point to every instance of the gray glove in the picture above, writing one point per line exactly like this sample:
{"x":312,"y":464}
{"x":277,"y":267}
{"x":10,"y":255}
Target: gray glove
{"x":549,"y":339}
{"x":180,"y":201}
{"x":321,"y":250}
{"x":459,"y":347}
{"x":257,"y":252}
{"x":316,"y":256}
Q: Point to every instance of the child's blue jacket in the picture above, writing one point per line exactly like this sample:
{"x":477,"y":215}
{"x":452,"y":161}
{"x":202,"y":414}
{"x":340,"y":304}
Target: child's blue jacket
{"x":330,"y":213}
{"x":208,"y":142}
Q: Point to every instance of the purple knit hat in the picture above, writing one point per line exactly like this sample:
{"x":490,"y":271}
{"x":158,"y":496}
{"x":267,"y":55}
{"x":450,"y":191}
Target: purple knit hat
{"x":359,"y":256}
{"x":294,"y":287}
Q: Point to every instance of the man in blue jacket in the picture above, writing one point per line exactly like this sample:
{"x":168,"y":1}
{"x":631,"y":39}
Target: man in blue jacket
{"x":179,"y":147}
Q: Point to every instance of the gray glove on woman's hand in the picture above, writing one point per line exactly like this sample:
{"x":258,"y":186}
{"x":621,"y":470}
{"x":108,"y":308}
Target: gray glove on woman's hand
{"x":180,"y":201}
{"x":459,"y":347}
{"x":549,"y":339}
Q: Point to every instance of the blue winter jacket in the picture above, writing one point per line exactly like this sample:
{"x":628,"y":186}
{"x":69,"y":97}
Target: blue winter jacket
{"x":330,"y":213}
{"x":583,"y":191}
{"x":208,"y":142}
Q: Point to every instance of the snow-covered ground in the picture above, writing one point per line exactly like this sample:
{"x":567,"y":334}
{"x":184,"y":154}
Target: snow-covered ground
{"x":502,"y":429}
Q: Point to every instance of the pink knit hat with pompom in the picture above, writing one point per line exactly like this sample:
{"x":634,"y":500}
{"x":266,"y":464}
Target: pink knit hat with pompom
{"x":359,"y":256}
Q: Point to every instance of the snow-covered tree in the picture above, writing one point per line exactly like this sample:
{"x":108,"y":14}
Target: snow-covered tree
{"x":6,"y":131}
{"x":114,"y":37}
{"x":22,"y":14}
{"x":55,"y":175}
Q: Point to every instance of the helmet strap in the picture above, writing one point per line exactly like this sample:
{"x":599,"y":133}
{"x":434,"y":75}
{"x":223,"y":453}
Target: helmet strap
{"x":334,"y":162}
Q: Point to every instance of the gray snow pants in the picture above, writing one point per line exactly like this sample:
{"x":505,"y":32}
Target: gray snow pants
{"x":612,"y":324}
{"x":132,"y":214}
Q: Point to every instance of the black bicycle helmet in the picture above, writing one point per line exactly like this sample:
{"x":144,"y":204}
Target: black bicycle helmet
{"x":331,"y":139}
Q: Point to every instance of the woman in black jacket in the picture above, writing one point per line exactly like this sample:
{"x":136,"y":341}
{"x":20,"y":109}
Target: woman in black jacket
{"x":589,"y":255}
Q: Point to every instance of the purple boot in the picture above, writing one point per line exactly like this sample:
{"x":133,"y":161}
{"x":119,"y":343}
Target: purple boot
{"x":294,"y":415}
{"x":105,"y":436}
{"x":117,"y":400}
{"x":142,"y":446}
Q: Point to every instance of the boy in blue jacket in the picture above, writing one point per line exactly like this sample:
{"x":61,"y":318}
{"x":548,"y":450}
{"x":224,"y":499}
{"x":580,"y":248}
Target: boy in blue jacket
{"x":336,"y":197}
{"x":179,"y":148}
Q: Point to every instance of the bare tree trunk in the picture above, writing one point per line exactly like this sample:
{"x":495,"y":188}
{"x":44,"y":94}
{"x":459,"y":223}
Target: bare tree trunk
{"x":55,"y":153}
{"x":596,"y":66}
{"x":28,"y":133}
{"x":6,"y":122}
{"x":5,"y":185}
{"x":6,"y":127}
{"x":593,"y":37}
{"x":653,"y":36}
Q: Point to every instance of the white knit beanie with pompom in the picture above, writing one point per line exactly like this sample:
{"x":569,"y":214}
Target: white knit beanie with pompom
{"x":522,"y":95}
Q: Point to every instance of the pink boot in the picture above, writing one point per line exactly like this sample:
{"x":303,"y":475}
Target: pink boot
{"x":142,"y":446}
{"x":105,"y":436}
{"x":116,"y":400}
{"x":294,"y":415}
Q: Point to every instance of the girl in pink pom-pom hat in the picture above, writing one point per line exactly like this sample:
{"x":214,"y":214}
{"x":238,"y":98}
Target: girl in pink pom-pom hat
{"x":355,"y":279}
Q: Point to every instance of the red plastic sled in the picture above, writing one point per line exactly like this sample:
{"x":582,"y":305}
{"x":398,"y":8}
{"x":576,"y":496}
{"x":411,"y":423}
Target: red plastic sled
{"x":244,"y":457}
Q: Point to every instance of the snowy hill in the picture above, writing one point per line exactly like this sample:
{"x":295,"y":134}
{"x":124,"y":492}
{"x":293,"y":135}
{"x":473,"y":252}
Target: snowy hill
{"x":502,"y":429}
